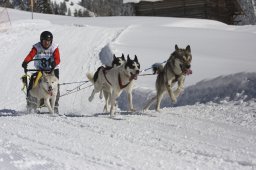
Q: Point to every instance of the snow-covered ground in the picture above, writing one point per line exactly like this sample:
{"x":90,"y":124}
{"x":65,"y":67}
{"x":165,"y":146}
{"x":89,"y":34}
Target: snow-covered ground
{"x":212,"y":126}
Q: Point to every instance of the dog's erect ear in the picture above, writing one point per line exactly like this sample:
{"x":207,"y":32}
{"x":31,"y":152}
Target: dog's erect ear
{"x":176,"y":47}
{"x":122,"y":57}
{"x":128,"y":61}
{"x":136,"y":59}
{"x":114,"y":56}
{"x":188,"y":48}
{"x":128,"y":58}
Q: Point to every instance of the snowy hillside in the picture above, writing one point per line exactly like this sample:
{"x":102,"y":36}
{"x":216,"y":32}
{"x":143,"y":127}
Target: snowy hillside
{"x":211,"y":127}
{"x":73,"y":5}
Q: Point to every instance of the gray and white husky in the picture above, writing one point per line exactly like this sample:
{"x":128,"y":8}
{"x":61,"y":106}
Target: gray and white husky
{"x":114,"y":81}
{"x":175,"y":70}
{"x":47,"y":90}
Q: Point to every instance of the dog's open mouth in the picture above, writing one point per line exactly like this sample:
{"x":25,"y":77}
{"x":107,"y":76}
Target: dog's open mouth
{"x":188,"y":72}
{"x":134,"y":76}
{"x":185,"y":69}
{"x":50,"y":91}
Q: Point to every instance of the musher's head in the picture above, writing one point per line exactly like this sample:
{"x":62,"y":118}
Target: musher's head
{"x":46,"y":38}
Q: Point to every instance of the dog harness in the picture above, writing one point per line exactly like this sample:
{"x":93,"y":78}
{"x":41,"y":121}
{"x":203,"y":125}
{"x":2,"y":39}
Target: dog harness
{"x":104,"y":73}
{"x":119,"y":79}
{"x":120,"y":82}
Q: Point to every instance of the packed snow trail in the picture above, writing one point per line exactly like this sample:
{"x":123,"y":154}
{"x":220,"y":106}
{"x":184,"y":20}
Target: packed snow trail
{"x":173,"y":139}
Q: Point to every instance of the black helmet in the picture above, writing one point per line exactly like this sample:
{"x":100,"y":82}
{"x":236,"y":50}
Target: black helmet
{"x":46,"y":35}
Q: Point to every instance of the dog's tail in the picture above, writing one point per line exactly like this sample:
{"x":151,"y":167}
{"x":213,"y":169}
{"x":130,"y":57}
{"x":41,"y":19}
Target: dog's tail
{"x":93,"y":77}
{"x":157,"y":68}
{"x":90,"y":77}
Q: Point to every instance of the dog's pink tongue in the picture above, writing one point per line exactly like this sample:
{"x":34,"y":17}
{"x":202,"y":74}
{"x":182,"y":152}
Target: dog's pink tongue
{"x":188,"y":72}
{"x":50,"y":92}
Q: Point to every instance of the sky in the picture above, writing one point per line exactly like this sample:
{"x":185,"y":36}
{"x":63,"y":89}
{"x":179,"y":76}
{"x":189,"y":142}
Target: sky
{"x":212,"y":126}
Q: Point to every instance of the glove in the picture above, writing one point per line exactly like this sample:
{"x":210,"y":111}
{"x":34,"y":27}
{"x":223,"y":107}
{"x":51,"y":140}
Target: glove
{"x":24,"y":65}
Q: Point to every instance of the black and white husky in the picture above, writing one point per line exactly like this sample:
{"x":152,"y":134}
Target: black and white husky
{"x":114,"y":81}
{"x":175,"y":70}
{"x":117,"y":61}
{"x":47,"y":90}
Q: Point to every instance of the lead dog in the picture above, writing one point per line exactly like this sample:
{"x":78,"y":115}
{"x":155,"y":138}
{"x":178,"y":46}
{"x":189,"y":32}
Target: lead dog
{"x":47,"y":90}
{"x":115,"y":80}
{"x":175,"y":70}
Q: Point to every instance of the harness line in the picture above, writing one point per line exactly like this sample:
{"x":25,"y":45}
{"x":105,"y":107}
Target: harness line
{"x":151,"y":67}
{"x":77,"y":89}
{"x":76,"y":82}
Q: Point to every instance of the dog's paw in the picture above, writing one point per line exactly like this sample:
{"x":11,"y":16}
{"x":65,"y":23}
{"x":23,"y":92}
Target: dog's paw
{"x":54,"y":115}
{"x":158,"y":110}
{"x":174,"y":100}
{"x":112,"y":115}
{"x":90,"y":98}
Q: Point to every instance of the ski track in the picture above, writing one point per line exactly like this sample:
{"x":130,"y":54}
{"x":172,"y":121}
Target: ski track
{"x":182,"y":138}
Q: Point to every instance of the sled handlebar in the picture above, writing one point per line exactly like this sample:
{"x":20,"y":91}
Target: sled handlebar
{"x":26,"y":70}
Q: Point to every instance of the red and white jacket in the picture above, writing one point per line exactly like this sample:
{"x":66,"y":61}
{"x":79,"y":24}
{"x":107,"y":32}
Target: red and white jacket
{"x":38,"y":52}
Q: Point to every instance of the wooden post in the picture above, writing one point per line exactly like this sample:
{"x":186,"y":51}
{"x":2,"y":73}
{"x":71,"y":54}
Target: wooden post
{"x":32,"y":8}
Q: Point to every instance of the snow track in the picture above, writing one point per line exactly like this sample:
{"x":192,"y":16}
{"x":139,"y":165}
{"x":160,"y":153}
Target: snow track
{"x":139,"y":141}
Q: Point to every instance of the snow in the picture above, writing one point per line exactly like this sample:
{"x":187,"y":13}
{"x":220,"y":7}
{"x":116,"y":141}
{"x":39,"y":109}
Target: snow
{"x":212,"y":126}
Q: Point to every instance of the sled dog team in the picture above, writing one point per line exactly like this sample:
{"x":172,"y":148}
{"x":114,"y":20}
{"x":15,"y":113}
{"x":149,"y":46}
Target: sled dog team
{"x":111,"y":81}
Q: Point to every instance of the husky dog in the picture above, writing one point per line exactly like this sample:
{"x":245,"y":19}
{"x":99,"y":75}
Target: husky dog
{"x":115,"y":80}
{"x":117,"y":61}
{"x":175,"y":70}
{"x":47,"y":90}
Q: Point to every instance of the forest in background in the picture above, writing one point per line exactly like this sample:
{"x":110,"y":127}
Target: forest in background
{"x":90,"y":8}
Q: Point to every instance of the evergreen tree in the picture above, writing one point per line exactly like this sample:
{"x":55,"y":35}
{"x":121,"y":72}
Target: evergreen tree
{"x":43,"y":6}
{"x":6,"y":3}
{"x":69,"y":12}
{"x":63,"y":8}
{"x":108,"y":7}
{"x":86,"y":13}
{"x":55,"y":8}
{"x":79,"y":14}
{"x":75,"y":13}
